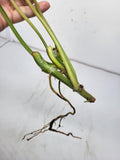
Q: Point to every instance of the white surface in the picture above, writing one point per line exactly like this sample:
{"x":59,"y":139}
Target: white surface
{"x":88,"y":30}
{"x":27,"y":103}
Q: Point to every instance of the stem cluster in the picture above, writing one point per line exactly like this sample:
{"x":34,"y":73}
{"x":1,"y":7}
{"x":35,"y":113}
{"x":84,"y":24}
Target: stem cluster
{"x":69,"y":77}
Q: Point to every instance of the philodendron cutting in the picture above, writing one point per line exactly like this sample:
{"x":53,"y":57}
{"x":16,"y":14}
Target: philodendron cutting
{"x":59,"y":66}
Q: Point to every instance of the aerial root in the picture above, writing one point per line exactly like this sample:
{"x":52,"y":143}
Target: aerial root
{"x":36,"y":132}
{"x":49,"y":126}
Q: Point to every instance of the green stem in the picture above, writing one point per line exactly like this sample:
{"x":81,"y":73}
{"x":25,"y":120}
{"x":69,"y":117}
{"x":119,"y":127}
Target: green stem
{"x":29,"y":22}
{"x":46,"y":67}
{"x":67,"y":63}
{"x":38,"y":9}
{"x":15,"y":31}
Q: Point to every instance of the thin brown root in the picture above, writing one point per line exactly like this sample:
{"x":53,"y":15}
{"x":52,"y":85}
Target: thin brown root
{"x":49,"y":126}
{"x":37,"y":132}
{"x":66,"y":134}
{"x":60,"y":95}
{"x":59,"y":123}
{"x":46,"y":128}
{"x":65,"y":99}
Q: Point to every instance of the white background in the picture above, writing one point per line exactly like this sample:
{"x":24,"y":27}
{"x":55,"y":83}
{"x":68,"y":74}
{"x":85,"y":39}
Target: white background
{"x":89,"y":32}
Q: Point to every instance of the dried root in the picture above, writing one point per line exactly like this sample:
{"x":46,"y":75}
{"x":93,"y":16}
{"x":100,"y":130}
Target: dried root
{"x":49,"y":126}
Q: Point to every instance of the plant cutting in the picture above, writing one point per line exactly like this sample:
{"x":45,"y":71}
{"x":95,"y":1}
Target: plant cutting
{"x":59,"y":66}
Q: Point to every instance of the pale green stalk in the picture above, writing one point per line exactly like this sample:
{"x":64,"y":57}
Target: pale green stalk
{"x":29,"y":22}
{"x":53,"y":59}
{"x":66,"y":61}
{"x":38,"y":9}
